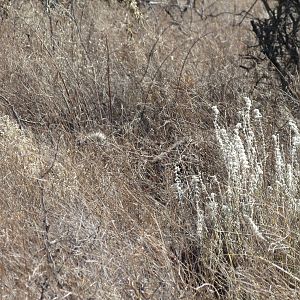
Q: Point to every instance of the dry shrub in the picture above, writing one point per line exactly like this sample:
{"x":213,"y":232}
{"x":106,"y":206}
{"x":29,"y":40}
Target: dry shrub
{"x":119,"y":180}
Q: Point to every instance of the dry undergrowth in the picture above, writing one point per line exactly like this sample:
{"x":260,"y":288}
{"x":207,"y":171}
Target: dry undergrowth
{"x":132,"y":166}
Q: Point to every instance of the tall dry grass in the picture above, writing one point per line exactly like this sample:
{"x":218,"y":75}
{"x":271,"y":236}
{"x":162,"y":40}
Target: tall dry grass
{"x":133,"y":166}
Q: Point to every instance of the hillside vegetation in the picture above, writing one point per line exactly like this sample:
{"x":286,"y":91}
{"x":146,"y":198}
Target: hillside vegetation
{"x":144,"y":155}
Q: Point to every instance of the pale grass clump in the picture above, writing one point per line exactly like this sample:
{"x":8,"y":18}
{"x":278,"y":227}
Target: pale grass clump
{"x":19,"y":146}
{"x":251,"y":212}
{"x":133,"y":7}
{"x":244,"y":165}
{"x":200,"y":213}
{"x":246,"y":160}
{"x":246,"y":157}
{"x":287,"y":172}
{"x":97,"y":137}
{"x":179,"y":185}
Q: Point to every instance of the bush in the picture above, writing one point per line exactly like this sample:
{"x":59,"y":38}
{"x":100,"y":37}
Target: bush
{"x":279,"y":40}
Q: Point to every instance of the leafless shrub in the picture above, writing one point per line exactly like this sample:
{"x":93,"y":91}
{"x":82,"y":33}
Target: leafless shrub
{"x":278,"y":38}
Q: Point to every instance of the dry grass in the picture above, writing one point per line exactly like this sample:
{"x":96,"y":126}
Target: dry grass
{"x":123,"y":173}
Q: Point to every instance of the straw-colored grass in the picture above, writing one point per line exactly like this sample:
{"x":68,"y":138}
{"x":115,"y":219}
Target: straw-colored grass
{"x":139,"y":160}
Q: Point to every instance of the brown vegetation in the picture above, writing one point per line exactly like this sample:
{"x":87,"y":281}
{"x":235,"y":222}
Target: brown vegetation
{"x":123,"y":173}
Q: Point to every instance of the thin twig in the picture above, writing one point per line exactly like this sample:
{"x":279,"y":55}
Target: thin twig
{"x":152,"y":52}
{"x":47,"y":171}
{"x":160,"y":66}
{"x":46,"y":228}
{"x":185,"y":60}
{"x":166,"y":153}
{"x":46,"y":225}
{"x":108,"y":81}
{"x":268,"y":8}
{"x":247,"y":12}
